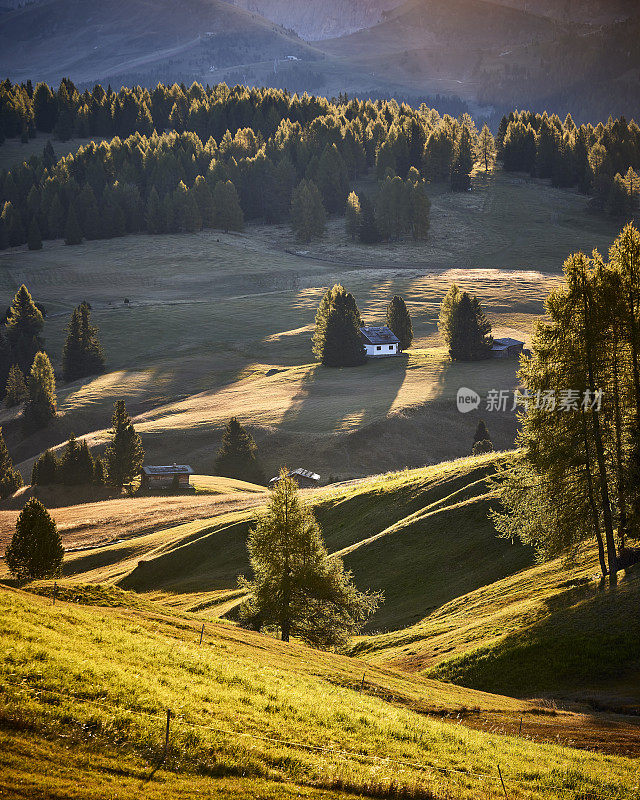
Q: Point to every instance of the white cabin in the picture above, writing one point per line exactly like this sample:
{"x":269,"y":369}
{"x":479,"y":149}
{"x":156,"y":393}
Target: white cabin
{"x":380,"y":342}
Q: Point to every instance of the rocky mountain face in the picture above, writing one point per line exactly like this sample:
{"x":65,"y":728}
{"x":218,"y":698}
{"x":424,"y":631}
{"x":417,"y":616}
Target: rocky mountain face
{"x":320,"y":19}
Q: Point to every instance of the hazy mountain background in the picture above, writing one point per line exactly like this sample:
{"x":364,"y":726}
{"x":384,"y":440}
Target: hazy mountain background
{"x":581,"y":56}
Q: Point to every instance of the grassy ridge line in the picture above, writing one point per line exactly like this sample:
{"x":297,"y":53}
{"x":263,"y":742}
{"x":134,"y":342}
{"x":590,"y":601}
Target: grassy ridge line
{"x":246,"y":683}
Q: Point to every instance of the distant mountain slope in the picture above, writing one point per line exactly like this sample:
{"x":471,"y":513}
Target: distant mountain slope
{"x":75,"y":38}
{"x":320,"y":19}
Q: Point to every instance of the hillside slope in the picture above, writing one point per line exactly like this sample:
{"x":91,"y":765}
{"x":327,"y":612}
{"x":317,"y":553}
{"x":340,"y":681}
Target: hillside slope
{"x":164,"y":38}
{"x":429,"y":527}
{"x":248,"y":710}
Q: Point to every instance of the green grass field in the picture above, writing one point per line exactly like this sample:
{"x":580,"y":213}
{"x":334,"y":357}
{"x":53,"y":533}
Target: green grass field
{"x":248,"y":711}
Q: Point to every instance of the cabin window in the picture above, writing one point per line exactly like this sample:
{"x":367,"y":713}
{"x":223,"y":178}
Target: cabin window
{"x":379,"y":347}
{"x":390,"y":347}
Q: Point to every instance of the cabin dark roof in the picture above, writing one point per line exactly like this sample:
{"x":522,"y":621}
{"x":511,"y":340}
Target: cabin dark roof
{"x":175,"y":469}
{"x":505,"y":343}
{"x":301,"y":473}
{"x":381,"y":335}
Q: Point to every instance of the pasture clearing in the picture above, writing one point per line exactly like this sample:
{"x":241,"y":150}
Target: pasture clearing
{"x":248,"y":695}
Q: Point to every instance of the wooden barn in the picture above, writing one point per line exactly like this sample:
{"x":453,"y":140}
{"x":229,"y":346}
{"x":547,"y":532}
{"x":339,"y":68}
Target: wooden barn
{"x":380,"y":342}
{"x":303,"y":477}
{"x":507,"y":348}
{"x":175,"y":476}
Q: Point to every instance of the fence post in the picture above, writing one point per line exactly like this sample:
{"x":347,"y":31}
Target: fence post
{"x":55,"y":589}
{"x":166,"y":738}
{"x":520,"y":731}
{"x":504,"y":789}
{"x":202,"y":633}
{"x":362,"y":684}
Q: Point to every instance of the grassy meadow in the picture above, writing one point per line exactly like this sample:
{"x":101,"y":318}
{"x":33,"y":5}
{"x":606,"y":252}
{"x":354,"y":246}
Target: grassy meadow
{"x":248,"y":709}
{"x":215,"y":323}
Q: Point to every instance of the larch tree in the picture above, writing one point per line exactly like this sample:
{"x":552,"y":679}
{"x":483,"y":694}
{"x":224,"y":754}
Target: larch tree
{"x":297,"y":587}
{"x":36,"y":550}
{"x":308,"y":216}
{"x":462,"y":161}
{"x":24,"y":329}
{"x":471,"y":338}
{"x":399,"y":321}
{"x":368,"y":232}
{"x":82,"y":354}
{"x":238,"y":455}
{"x":485,"y":151}
{"x":10,"y":477}
{"x":446,"y":315}
{"x":393,"y":208}
{"x":227,"y":209}
{"x":16,"y":388}
{"x":337,"y":341}
{"x":41,"y":403}
{"x":124,"y":455}
{"x":76,"y":466}
{"x":352,"y":215}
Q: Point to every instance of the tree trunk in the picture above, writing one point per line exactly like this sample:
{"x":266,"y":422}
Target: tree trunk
{"x":622,"y":525}
{"x":592,"y":499}
{"x":612,"y":556}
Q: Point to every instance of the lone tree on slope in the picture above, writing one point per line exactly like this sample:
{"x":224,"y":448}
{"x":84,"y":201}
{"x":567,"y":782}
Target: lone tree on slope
{"x":36,"y":549}
{"x":237,"y":458}
{"x":82,"y":354}
{"x":41,"y":402}
{"x":124,"y":456}
{"x":464,"y":326}
{"x":24,"y":328}
{"x":297,"y":586}
{"x":399,"y":321}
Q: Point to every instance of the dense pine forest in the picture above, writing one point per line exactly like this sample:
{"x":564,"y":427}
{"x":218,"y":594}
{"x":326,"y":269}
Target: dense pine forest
{"x":179,"y":159}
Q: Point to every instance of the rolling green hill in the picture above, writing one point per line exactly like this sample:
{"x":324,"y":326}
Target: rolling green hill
{"x":248,"y":711}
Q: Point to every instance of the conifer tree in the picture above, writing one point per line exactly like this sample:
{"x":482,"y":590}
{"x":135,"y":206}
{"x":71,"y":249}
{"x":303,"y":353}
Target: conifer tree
{"x":446,"y":317}
{"x":352,"y":216}
{"x":24,"y":327}
{"x":55,"y":218}
{"x":332,"y":180}
{"x":337,"y":341}
{"x":419,"y":206}
{"x":16,"y":388}
{"x":192,"y":216}
{"x":72,"y":231}
{"x":462,"y":162}
{"x":393,"y":208}
{"x":155,"y":217}
{"x":227,"y":209}
{"x":10,"y":478}
{"x":399,"y":321}
{"x":368,"y":232}
{"x":45,"y":469}
{"x":471,"y":331}
{"x":308,"y":217}
{"x":238,"y":455}
{"x":297,"y":587}
{"x":89,"y":214}
{"x":36,"y":549}
{"x":124,"y":455}
{"x":6,"y":360}
{"x":99,"y":472}
{"x":41,"y":403}
{"x":76,"y":467}
{"x":482,"y":432}
{"x":204,"y":199}
{"x":82,"y":354}
{"x":34,"y":240}
{"x":486,"y":148}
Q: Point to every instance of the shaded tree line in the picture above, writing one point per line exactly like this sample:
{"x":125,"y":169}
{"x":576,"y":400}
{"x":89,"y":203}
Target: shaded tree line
{"x":601,"y":161}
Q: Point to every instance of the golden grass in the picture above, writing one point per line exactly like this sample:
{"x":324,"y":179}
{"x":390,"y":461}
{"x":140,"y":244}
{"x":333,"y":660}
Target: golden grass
{"x":107,"y":675}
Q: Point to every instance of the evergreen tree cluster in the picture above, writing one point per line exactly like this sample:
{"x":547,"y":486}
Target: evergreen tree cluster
{"x":223,"y":156}
{"x":336,"y":339}
{"x":603,"y":161}
{"x":578,"y":475}
{"x":401,"y":207}
{"x":75,"y":467}
{"x":464,"y":326}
